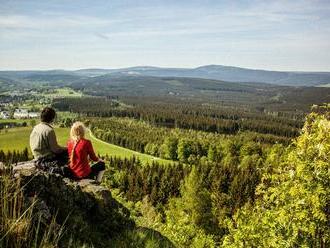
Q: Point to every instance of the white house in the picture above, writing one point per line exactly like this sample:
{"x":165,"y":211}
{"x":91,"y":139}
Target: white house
{"x":24,"y":114}
{"x":4,"y":115}
{"x":21,"y":114}
{"x":33,"y":115}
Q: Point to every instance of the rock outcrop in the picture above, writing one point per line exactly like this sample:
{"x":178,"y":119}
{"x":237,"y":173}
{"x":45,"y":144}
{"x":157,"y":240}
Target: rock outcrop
{"x":85,"y":208}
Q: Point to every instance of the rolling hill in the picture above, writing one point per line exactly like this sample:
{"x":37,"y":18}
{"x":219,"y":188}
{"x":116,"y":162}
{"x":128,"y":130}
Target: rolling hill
{"x":224,"y":73}
{"x":205,"y":90}
{"x":227,"y":73}
{"x":216,"y":72}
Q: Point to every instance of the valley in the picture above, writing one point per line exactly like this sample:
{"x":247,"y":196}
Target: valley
{"x":188,"y":157}
{"x":180,"y":124}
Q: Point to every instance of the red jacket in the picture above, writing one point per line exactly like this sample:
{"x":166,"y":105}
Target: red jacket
{"x":80,"y":159}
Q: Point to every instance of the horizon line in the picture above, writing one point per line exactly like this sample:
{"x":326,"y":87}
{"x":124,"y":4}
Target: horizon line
{"x":160,"y":67}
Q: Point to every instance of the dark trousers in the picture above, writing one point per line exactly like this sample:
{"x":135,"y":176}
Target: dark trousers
{"x":57,"y":163}
{"x":61,"y":158}
{"x":96,"y":168}
{"x":57,"y":159}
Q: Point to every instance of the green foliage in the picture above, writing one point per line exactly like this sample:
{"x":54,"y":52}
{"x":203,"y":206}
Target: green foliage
{"x":170,"y":148}
{"x":292,"y":209}
{"x":184,"y":150}
{"x":157,"y":181}
{"x":21,"y":225}
{"x":189,"y":218}
{"x":11,"y":157}
{"x":188,"y":146}
{"x":234,"y":189}
{"x":174,"y":113}
{"x":197,"y":200}
{"x":140,"y":238}
{"x":67,"y":122}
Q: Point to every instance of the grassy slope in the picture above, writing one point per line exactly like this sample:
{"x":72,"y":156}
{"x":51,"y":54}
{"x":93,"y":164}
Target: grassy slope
{"x":63,"y":92}
{"x":18,"y":139}
{"x":15,"y":120}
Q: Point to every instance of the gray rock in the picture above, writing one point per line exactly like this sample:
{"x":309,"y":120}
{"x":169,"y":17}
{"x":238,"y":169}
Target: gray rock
{"x":86,"y":208}
{"x":24,"y":168}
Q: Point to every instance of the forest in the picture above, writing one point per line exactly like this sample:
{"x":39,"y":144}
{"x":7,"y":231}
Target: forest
{"x":165,"y":124}
{"x":239,"y":176}
{"x":240,"y":165}
{"x":189,"y":115}
{"x":218,"y":200}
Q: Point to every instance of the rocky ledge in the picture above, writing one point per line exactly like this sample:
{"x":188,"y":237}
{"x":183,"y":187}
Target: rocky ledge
{"x":85,"y":208}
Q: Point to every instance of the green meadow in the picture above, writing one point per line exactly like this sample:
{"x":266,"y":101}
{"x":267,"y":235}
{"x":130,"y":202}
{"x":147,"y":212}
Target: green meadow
{"x":18,"y":139}
{"x":63,"y":92}
{"x":15,"y":120}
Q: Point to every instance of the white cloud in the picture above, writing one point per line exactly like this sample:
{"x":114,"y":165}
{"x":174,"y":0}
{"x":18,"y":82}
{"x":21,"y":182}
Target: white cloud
{"x":50,"y":22}
{"x":196,"y":30}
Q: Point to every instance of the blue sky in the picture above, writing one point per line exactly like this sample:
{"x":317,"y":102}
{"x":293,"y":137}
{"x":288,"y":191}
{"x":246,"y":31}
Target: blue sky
{"x":275,"y":35}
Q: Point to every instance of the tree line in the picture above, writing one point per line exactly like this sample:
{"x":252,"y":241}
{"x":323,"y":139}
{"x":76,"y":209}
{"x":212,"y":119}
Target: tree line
{"x":175,"y":144}
{"x":187,"y":115}
{"x":12,"y":157}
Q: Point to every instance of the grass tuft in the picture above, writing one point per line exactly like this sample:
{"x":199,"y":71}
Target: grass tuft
{"x":20,"y":224}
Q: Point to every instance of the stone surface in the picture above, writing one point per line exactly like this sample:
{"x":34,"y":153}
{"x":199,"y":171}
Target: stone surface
{"x":24,"y":168}
{"x":86,"y":208}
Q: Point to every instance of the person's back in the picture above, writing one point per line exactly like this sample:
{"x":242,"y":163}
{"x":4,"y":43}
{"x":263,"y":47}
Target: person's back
{"x":81,"y":150}
{"x":43,"y":141}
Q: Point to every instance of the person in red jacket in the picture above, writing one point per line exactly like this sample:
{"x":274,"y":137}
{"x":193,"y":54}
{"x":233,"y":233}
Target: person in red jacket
{"x":81,"y":151}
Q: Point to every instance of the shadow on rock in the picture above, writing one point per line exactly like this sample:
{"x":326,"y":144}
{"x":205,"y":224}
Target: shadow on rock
{"x":87,"y":209}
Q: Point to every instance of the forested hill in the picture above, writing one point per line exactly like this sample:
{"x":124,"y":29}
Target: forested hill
{"x":256,"y":95}
{"x":227,"y":73}
{"x":247,"y":195}
{"x":205,"y":90}
{"x":217,"y":72}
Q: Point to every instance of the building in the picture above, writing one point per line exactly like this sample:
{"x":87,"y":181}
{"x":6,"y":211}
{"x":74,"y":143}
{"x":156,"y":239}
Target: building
{"x":24,"y":114}
{"x":33,"y":115}
{"x":4,"y":115}
{"x":21,"y":114}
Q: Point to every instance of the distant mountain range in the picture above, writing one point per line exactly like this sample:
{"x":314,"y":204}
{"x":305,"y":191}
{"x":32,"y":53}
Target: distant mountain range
{"x":217,"y":72}
{"x":224,"y":73}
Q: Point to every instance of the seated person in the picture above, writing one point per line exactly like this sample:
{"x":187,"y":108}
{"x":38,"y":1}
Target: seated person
{"x":43,"y":141}
{"x":81,"y":150}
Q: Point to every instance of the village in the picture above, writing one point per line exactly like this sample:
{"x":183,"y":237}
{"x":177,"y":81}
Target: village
{"x":21,"y":104}
{"x":18,"y":114}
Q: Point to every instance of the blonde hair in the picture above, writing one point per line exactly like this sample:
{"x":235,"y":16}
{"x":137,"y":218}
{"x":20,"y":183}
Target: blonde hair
{"x":77,"y":131}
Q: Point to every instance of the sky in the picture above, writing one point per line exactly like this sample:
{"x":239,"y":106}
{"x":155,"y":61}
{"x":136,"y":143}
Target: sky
{"x":74,"y":34}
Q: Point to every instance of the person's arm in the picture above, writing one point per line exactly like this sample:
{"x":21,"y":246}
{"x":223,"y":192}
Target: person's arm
{"x":54,"y":147}
{"x":91,"y":152}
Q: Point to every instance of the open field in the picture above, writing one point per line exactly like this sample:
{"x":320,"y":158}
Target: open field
{"x":15,"y":120}
{"x":18,"y":139}
{"x":63,"y":92}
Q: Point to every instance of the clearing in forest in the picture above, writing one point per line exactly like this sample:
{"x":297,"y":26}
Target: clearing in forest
{"x":18,"y":139}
